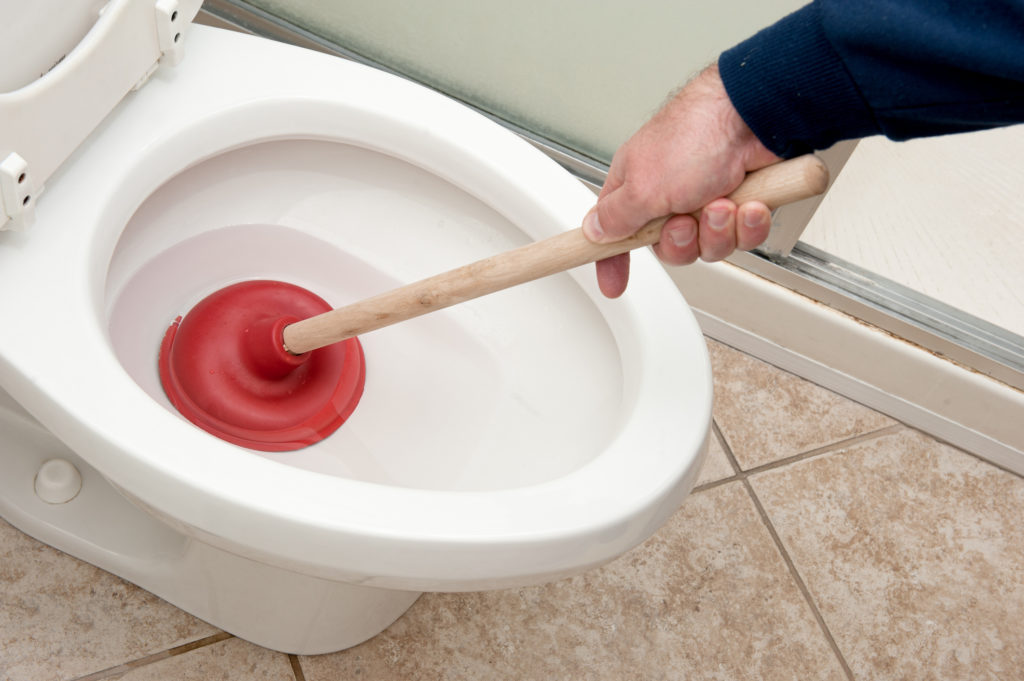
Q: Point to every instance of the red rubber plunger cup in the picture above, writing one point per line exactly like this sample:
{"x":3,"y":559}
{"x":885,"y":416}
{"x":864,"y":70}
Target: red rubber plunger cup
{"x":224,"y":366}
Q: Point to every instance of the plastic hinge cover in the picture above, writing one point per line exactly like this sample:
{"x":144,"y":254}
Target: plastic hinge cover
{"x":17,"y":194}
{"x":170,"y":26}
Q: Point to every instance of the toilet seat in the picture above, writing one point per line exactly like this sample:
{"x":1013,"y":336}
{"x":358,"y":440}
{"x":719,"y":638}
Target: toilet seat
{"x":233,"y":92}
{"x":67,"y":65}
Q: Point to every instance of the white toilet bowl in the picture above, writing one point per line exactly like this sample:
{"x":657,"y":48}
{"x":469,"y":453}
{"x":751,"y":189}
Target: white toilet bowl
{"x":522,"y":437}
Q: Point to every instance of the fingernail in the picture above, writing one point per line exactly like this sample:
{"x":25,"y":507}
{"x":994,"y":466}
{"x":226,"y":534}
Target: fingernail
{"x":682,"y":236}
{"x":753,"y":219}
{"x":592,"y":226}
{"x":718,"y":218}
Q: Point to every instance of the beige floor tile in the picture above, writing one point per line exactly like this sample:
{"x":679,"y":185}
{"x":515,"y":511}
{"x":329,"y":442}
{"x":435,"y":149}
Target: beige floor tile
{"x":914,"y":552}
{"x":716,"y":465}
{"x":230,"y":660}
{"x":766,"y":414}
{"x":708,"y":597}
{"x":61,"y":618}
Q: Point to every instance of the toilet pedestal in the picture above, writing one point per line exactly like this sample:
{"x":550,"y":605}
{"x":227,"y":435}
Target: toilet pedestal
{"x":264,"y":604}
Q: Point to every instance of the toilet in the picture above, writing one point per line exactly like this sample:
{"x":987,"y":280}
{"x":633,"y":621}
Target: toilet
{"x":512,"y":440}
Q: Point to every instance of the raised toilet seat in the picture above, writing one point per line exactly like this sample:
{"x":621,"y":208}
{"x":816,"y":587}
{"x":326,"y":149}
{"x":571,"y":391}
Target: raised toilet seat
{"x":520,"y":438}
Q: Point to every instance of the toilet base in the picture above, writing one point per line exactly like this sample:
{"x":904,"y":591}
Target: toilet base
{"x":269,"y":606}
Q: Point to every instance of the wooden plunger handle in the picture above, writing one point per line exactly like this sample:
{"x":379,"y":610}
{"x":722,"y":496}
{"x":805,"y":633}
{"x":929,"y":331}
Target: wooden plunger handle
{"x":774,"y":185}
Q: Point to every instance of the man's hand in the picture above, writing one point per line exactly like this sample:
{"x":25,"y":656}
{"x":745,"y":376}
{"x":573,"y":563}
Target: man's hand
{"x":692,"y":153}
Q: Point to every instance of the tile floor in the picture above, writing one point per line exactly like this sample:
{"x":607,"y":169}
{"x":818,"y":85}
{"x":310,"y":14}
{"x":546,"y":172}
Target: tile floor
{"x":823,"y":541}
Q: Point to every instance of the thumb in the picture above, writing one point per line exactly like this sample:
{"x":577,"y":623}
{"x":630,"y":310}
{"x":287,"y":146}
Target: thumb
{"x":618,"y":214}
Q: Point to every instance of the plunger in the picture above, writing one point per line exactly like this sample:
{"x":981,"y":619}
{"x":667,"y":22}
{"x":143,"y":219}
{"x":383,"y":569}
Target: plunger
{"x":270,"y":366}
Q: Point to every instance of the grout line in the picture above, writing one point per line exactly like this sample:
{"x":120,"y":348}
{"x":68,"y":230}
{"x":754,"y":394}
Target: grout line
{"x":716,"y":430}
{"x":727,"y":448}
{"x":120,"y":669}
{"x":713,"y":484}
{"x":296,"y":668}
{"x":799,"y":580}
{"x":825,"y":449}
{"x":742,"y":476}
{"x":716,"y":433}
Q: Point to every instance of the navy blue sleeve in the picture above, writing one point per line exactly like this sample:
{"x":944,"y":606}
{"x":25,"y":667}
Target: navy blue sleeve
{"x":844,"y":69}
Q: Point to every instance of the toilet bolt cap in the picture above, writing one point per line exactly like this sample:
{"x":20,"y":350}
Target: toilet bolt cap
{"x":58,"y":481}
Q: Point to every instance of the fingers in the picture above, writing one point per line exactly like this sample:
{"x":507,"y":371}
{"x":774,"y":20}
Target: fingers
{"x":678,"y":244}
{"x":717,"y":230}
{"x":613,"y":275}
{"x":753,"y":224}
{"x":724,"y":228}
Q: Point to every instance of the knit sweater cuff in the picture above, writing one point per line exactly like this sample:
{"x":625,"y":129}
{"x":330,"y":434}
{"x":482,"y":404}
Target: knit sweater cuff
{"x":791,"y":88}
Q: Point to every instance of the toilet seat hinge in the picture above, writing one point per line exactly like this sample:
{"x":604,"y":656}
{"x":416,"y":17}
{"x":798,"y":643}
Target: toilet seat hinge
{"x":17,"y":194}
{"x":170,"y":27}
{"x":170,"y":31}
